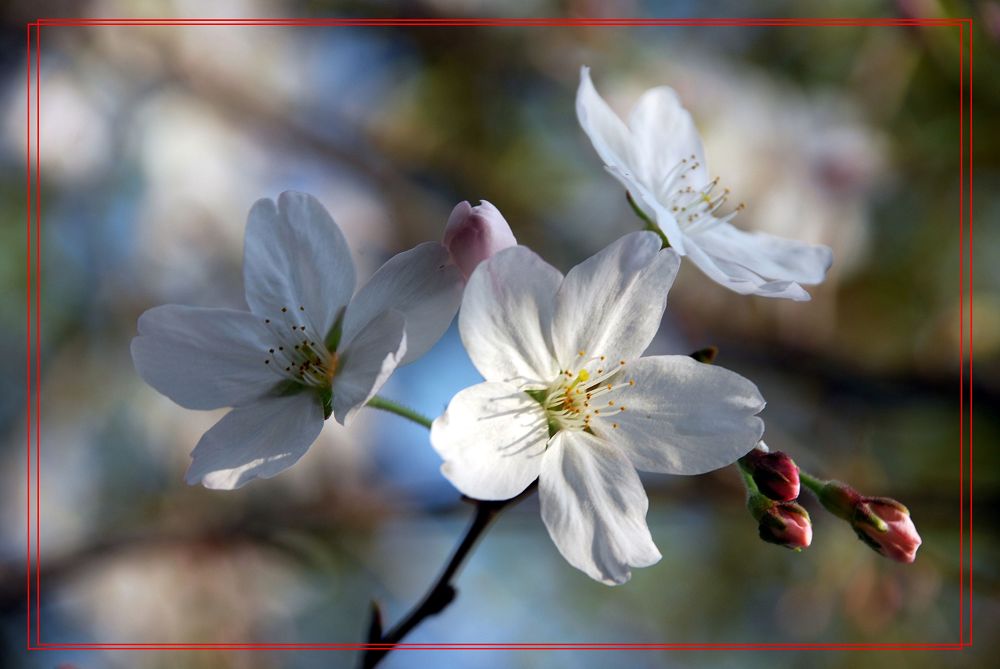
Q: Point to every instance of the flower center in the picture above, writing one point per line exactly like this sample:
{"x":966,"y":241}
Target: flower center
{"x":574,"y":399}
{"x":694,"y":208}
{"x":298,"y":353}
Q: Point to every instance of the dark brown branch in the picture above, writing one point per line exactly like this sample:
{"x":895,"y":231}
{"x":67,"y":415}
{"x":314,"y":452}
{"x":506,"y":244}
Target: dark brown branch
{"x":442,"y":593}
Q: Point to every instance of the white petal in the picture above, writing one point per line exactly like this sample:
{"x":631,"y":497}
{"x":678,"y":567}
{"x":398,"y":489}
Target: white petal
{"x":594,"y":507}
{"x":422,"y":285}
{"x":742,"y":280}
{"x":295,"y":256}
{"x":682,"y":416}
{"x":366,"y":361}
{"x":607,"y":132}
{"x":666,"y":135}
{"x":611,"y":303}
{"x":203,"y":358}
{"x":505,"y":316}
{"x":659,"y":135}
{"x":491,"y":438}
{"x":256,"y":441}
{"x":774,"y":258}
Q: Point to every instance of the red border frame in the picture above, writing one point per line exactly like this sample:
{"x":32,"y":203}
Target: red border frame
{"x":33,"y":225}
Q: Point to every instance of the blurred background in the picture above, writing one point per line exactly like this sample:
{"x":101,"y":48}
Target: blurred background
{"x":156,"y":141}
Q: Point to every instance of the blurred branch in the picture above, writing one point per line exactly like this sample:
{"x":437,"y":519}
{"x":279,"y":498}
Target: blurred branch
{"x":861,"y":383}
{"x":243,"y":106}
{"x":268,"y":527}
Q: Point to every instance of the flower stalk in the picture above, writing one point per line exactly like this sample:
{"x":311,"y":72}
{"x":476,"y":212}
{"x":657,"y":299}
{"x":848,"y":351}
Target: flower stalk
{"x":400,"y":410}
{"x":650,"y":224}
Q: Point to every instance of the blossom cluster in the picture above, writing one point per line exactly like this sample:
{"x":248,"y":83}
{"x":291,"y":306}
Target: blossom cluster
{"x":568,"y":400}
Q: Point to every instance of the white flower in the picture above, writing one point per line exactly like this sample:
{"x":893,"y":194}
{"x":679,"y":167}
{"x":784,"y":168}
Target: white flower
{"x":658,"y":157}
{"x":305,"y":349}
{"x":568,"y":399}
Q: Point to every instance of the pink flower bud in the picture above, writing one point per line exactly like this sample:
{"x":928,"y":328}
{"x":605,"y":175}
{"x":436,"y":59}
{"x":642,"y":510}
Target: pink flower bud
{"x":895,"y":536}
{"x":786,"y":524}
{"x":473,"y":234}
{"x":774,"y":473}
{"x":881,"y":522}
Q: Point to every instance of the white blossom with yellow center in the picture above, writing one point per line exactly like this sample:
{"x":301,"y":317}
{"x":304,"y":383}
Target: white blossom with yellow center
{"x":568,"y":399}
{"x":308,"y":347}
{"x":658,"y":157}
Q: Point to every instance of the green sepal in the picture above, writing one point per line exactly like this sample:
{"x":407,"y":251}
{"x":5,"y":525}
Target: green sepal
{"x":839,"y":499}
{"x":286,"y":388}
{"x":326,"y":396}
{"x":759,"y":506}
{"x":863,"y":514}
{"x":868,"y":541}
{"x":332,"y":340}
{"x":537,"y":395}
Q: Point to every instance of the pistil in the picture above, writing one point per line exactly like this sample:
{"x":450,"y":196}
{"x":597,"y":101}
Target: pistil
{"x":573,"y":400}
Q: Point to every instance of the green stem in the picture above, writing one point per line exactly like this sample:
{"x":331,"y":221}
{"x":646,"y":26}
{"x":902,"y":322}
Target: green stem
{"x":811,"y":482}
{"x":758,"y":504}
{"x":748,"y":481}
{"x":400,"y":410}
{"x":650,"y":224}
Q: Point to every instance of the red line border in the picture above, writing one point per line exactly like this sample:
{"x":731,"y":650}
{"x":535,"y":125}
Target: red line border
{"x":33,"y":215}
{"x":37,"y":330}
{"x":27,"y":290}
{"x":961,"y":335}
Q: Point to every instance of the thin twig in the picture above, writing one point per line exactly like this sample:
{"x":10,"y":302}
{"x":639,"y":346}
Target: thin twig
{"x":442,"y":593}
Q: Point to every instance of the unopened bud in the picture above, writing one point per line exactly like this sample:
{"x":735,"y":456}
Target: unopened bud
{"x":783,"y":523}
{"x":775,"y":474}
{"x":899,"y":540}
{"x":881,"y":522}
{"x":474,"y":234}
